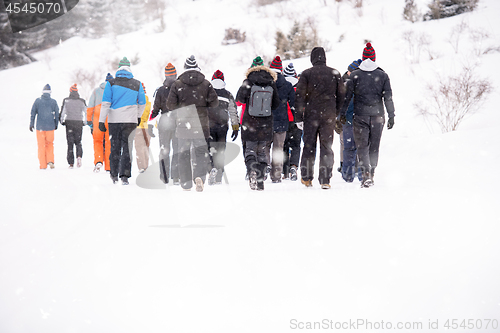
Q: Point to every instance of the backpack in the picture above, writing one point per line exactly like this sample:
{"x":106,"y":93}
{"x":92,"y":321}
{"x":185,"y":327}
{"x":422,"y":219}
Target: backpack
{"x":260,"y":101}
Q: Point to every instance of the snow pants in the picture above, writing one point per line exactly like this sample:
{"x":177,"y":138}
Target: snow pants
{"x":142,"y":140}
{"x":217,"y":148}
{"x":349,"y":168}
{"x":277,"y":154}
{"x":45,"y":141}
{"x":315,"y":128}
{"x":291,"y":148}
{"x":367,"y":135}
{"x":102,"y":147}
{"x":74,"y":130}
{"x":193,"y":165}
{"x":257,"y":157}
{"x":122,"y":137}
{"x":169,"y":167}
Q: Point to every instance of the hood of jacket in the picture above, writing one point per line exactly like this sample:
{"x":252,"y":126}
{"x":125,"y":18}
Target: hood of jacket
{"x":74,"y":95}
{"x":218,"y":84}
{"x":318,"y":56}
{"x":168,"y":81}
{"x":368,"y":65}
{"x":124,"y":71}
{"x":46,"y":96}
{"x":192,"y":77}
{"x":103,"y":85}
{"x":261,"y":75}
{"x":280,"y":81}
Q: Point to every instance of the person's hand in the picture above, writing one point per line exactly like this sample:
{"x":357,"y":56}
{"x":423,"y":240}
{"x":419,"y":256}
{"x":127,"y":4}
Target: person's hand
{"x":102,"y":127}
{"x":234,"y":135}
{"x":300,"y":125}
{"x":90,"y":124}
{"x":138,"y":121}
{"x":31,"y":128}
{"x":338,"y":127}
{"x":390,"y":123}
{"x":154,"y":114}
{"x":343,"y":119}
{"x":150,"y":131}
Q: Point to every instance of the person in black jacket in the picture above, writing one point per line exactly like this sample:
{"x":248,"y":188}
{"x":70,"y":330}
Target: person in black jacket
{"x":190,"y":96}
{"x":166,"y":129}
{"x":73,"y":116}
{"x":320,"y":94}
{"x":218,"y":119}
{"x":257,"y":131}
{"x":286,"y":94}
{"x":371,"y":89}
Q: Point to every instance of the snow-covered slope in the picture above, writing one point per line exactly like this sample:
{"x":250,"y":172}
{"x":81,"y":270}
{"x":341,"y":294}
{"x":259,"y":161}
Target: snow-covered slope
{"x":79,"y":254}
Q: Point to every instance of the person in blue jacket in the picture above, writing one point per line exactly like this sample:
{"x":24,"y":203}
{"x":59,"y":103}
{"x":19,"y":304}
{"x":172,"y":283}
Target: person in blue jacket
{"x":123,"y":103}
{"x":46,"y":112}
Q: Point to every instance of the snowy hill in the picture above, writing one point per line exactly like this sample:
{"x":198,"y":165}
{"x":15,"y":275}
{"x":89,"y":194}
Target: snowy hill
{"x":79,"y":254}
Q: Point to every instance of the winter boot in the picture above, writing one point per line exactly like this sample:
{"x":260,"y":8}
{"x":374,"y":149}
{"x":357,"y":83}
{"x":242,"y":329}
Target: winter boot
{"x":114,"y":179}
{"x":293,"y":173}
{"x":260,"y":186}
{"x":199,"y":184}
{"x":79,"y":162}
{"x":326,"y":186}
{"x":212,"y":176}
{"x":267,"y":171}
{"x":339,"y":169}
{"x":307,"y":183}
{"x":70,"y":166}
{"x":98,"y":167}
{"x":367,"y":181}
{"x":51,"y":165}
{"x":252,"y":180}
{"x":124,"y":180}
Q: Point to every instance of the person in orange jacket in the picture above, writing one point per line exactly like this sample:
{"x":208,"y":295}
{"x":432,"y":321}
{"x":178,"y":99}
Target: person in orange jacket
{"x":102,"y":145}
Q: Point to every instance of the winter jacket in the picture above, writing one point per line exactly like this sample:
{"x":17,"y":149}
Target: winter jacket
{"x":369,"y":85}
{"x":73,"y":108}
{"x":191,"y":90}
{"x":145,"y":114}
{"x":46,"y":112}
{"x":220,"y":115}
{"x":161,"y":95}
{"x":94,"y":107}
{"x":123,"y":100}
{"x":286,"y":94}
{"x":320,"y":91}
{"x":257,"y":128}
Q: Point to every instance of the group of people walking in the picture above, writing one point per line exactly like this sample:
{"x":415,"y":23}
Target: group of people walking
{"x":278,"y":110}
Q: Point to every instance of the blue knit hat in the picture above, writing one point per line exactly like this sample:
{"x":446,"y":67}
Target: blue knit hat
{"x":46,"y":89}
{"x":355,"y":65}
{"x":109,"y":77}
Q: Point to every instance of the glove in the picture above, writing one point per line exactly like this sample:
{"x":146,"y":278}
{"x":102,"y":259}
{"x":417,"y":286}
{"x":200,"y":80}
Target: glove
{"x":138,"y":121}
{"x":343,"y":119}
{"x":102,"y":127}
{"x":154,"y":114}
{"x":338,"y":127}
{"x":31,"y":128}
{"x":300,"y":125}
{"x":390,"y":123}
{"x":90,"y":124}
{"x":150,"y":131}
{"x":234,"y":135}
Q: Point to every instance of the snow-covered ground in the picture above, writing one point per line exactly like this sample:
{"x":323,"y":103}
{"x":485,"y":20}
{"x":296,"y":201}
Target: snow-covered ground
{"x":79,"y":254}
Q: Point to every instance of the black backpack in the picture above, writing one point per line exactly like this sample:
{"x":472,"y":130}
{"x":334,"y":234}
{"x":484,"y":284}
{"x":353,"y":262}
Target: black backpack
{"x":260,"y":101}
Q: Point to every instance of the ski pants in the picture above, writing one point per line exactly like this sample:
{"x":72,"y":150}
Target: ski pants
{"x":256,"y":157}
{"x":74,"y":129}
{"x":291,"y":148}
{"x":217,"y":148}
{"x":277,"y":154}
{"x":45,"y":141}
{"x":315,"y":128}
{"x":142,"y":140}
{"x":122,"y":137}
{"x":169,"y":167}
{"x":349,"y":168}
{"x":367,"y":135}
{"x":102,"y":146}
{"x":193,"y":165}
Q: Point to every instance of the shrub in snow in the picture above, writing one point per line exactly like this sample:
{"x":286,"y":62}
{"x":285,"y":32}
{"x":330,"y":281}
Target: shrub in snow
{"x":447,"y":8}
{"x":303,"y":37}
{"x":451,"y":99}
{"x":233,"y":36}
{"x":410,"y":12}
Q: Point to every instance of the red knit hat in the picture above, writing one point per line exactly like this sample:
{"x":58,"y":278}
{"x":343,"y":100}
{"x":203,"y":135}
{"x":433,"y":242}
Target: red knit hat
{"x":218,"y":75}
{"x":73,"y":88}
{"x":277,"y":64}
{"x":369,"y":52}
